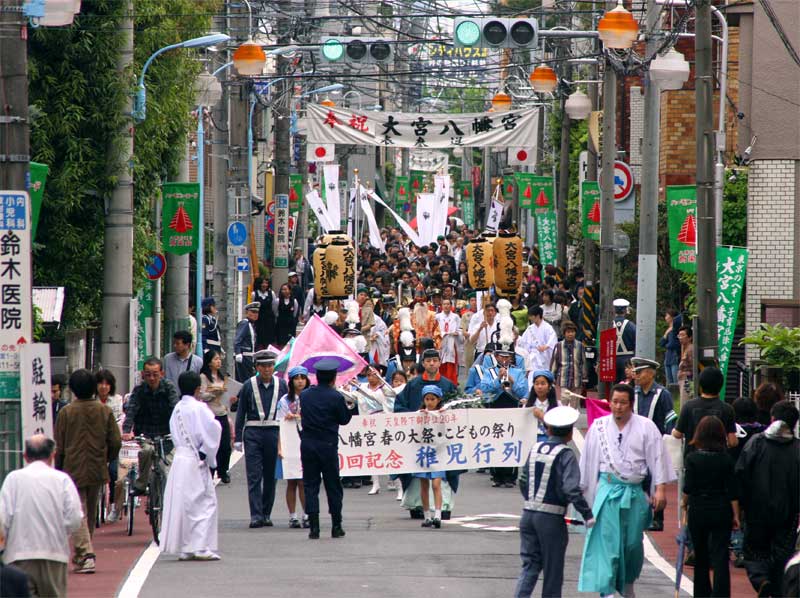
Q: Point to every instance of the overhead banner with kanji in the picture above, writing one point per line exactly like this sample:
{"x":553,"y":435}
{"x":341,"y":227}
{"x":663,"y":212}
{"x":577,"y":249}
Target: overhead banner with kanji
{"x":180,"y":216}
{"x":395,"y":443}
{"x":682,"y":226}
{"x":415,"y":129}
{"x":590,"y":207}
{"x":731,"y":271}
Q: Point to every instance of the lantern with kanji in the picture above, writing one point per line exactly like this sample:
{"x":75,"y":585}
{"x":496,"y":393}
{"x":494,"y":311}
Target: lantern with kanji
{"x":507,"y":256}
{"x":479,"y":264}
{"x":334,"y":262}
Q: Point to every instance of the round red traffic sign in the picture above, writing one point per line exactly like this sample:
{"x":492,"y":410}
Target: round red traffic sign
{"x":623,"y":180}
{"x":156,"y":266}
{"x":271,"y":208}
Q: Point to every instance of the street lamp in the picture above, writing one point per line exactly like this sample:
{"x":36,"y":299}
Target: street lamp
{"x":249,"y":59}
{"x":669,"y":71}
{"x":617,"y":28}
{"x":501,"y":102}
{"x":139,"y":112}
{"x":543,"y":79}
{"x":578,"y":106}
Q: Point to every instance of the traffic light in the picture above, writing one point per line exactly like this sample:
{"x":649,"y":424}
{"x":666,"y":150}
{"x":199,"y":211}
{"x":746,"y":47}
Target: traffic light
{"x":495,"y":32}
{"x":356,"y":50}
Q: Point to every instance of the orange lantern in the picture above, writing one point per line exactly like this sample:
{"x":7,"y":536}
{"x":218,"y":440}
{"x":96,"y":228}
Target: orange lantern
{"x":543,"y":79}
{"x":480,"y":271}
{"x":617,"y":28}
{"x":507,"y":255}
{"x":328,"y":103}
{"x":249,"y":58}
{"x":501,"y":102}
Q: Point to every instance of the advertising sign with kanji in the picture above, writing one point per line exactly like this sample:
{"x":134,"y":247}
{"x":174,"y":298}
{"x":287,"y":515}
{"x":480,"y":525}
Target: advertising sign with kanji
{"x":465,"y":197}
{"x":417,"y":181}
{"x":542,"y":194}
{"x":38,"y":178}
{"x":608,"y":355}
{"x":395,"y":443}
{"x":180,"y":217}
{"x":682,"y":226}
{"x":590,"y":206}
{"x":731,"y":271}
{"x":509,"y":184}
{"x":402,"y":193}
{"x":16,"y":317}
{"x":295,"y":192}
{"x":421,"y":130}
{"x":525,"y":181}
{"x":37,"y":409}
{"x":547,"y":235}
{"x":144,"y":325}
{"x":280,"y":256}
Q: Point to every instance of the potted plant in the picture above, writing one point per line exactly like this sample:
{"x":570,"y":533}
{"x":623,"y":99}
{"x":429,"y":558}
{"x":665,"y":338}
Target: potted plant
{"x":780,"y":351}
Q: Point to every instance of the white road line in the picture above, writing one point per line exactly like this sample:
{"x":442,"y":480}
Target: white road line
{"x":650,"y":551}
{"x":138,"y":575}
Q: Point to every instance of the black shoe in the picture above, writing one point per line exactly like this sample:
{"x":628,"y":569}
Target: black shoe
{"x":738,"y":561}
{"x":496,"y":484}
{"x":313,"y":521}
{"x":138,"y":491}
{"x":765,"y":589}
{"x":306,"y":524}
{"x":268,"y":522}
{"x":294,"y":523}
{"x":427,"y":523}
{"x":656,"y":526}
{"x":445,"y":515}
{"x":256,"y":523}
{"x":510,"y":484}
{"x":437,"y":523}
{"x":689,"y":562}
{"x":416,"y":513}
{"x":337,"y":531}
{"x":225,"y":479}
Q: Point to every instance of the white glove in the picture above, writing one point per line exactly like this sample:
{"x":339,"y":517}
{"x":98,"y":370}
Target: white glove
{"x":239,"y":358}
{"x":590,"y":523}
{"x":237,"y":446}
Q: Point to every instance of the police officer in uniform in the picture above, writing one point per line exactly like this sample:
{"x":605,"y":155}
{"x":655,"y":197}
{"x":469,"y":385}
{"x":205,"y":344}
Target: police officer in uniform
{"x":324,"y":409}
{"x":257,"y":426}
{"x":210,"y":327}
{"x":549,"y":481}
{"x":244,"y":343}
{"x":626,"y":336}
{"x":653,"y":401}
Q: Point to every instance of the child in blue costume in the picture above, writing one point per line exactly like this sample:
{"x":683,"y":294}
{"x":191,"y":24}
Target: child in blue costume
{"x":432,"y":402}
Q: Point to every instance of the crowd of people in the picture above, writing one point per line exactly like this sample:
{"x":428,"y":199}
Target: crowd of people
{"x":428,"y":338}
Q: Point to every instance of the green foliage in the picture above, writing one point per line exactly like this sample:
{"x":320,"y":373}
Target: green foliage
{"x":779,"y":346}
{"x":78,"y":100}
{"x":38,"y":324}
{"x":734,"y":210}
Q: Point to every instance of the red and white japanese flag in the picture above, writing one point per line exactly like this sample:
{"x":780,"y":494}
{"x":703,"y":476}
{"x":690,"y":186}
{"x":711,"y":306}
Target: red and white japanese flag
{"x":521,"y":156}
{"x":320,"y":152}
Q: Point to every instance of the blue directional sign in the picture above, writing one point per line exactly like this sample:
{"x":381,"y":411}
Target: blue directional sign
{"x":237,"y":233}
{"x":242,"y":264}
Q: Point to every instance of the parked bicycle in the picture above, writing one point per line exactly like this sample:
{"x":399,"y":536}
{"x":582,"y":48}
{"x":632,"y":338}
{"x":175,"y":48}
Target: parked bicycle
{"x":156,"y":484}
{"x":129,"y":458}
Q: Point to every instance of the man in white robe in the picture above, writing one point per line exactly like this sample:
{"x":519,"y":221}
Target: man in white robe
{"x":379,"y":342}
{"x":620,"y":450}
{"x":450,"y":327}
{"x":189,"y":522}
{"x":538,"y":341}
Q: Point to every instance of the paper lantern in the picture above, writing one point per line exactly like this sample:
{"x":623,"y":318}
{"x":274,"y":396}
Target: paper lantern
{"x":337,"y":275}
{"x":479,"y":264}
{"x":507,"y":256}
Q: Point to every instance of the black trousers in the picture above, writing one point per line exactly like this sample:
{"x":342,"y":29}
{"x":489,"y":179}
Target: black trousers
{"x":320,"y":461}
{"x":768,"y":546}
{"x":260,"y":459}
{"x":224,"y":450}
{"x":711,"y":532}
{"x":543,"y":544}
{"x":504,"y":475}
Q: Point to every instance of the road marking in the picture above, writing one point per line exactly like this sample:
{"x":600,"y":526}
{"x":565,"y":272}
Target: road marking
{"x":468,"y":522}
{"x":138,"y":575}
{"x":650,"y":551}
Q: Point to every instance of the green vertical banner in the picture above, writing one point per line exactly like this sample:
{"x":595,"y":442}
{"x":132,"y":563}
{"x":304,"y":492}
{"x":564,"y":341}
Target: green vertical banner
{"x":731,"y":270}
{"x":38,"y":177}
{"x":465,"y":198}
{"x":542,"y":194}
{"x":682,"y":226}
{"x":295,"y":192}
{"x":547,"y":234}
{"x":144,"y":336}
{"x":417,"y":181}
{"x":590,"y":207}
{"x":180,"y":217}
{"x":402,"y":193}
{"x":509,"y":184}
{"x":525,"y":185}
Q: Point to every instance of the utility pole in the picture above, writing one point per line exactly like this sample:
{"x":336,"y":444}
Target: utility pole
{"x":118,"y":242}
{"x":609,"y":154}
{"x":706,"y":339}
{"x":219,"y":181}
{"x":176,"y":291}
{"x":15,"y":131}
{"x":646,"y":292}
{"x":563,"y":175}
{"x":589,"y":247}
{"x":283,"y":140}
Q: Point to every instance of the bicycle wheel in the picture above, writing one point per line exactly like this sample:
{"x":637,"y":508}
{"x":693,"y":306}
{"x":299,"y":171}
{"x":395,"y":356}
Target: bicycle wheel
{"x":130,"y":504}
{"x":156,"y":502}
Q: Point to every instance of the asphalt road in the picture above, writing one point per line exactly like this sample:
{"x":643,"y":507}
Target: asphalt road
{"x":385,"y":553}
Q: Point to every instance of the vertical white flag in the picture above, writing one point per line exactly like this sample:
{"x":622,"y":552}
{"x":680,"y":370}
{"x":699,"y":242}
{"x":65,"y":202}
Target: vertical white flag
{"x":331,"y":173}
{"x":374,"y":232}
{"x":495,"y":212}
{"x":410,"y":232}
{"x":441,"y":189}
{"x":426,"y":208}
{"x":316,"y":205}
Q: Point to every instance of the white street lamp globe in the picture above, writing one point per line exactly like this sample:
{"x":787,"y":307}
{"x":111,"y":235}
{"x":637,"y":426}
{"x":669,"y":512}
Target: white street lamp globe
{"x":209,"y":90}
{"x":669,"y":71}
{"x":578,"y":106}
{"x":58,"y":13}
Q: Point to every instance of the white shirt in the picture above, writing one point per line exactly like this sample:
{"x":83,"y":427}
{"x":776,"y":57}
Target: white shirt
{"x":485,"y":335}
{"x":535,"y":336}
{"x":450,"y":327}
{"x":39,"y":508}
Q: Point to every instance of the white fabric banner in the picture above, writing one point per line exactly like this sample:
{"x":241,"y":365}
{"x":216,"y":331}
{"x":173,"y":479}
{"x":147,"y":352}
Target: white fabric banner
{"x":331,"y":174}
{"x":441,"y":190}
{"x":374,"y":231}
{"x":351,"y":217}
{"x":316,"y":205}
{"x":421,"y":130}
{"x":393,"y":443}
{"x":426,"y":217}
{"x":495,"y":213}
{"x":410,"y":232}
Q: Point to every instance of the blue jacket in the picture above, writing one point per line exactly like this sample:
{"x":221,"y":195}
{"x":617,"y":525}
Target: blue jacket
{"x":671,"y":344}
{"x":492,"y":386}
{"x":324,"y":410}
{"x":411,"y":397}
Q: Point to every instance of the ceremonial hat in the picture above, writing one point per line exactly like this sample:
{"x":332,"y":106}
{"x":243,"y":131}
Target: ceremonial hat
{"x":387,"y":299}
{"x":375,"y":293}
{"x":326,"y":365}
{"x":265,"y":357}
{"x":546,"y":373}
{"x":430,"y":354}
{"x":472,"y":294}
{"x":490,"y":348}
{"x":435,"y":291}
{"x":419,"y":292}
{"x":297,"y":370}
{"x":641,"y":363}
{"x":207,"y":302}
{"x":621,"y":303}
{"x":380,"y":367}
{"x":407,"y":353}
{"x":432,"y":389}
{"x":254,"y":306}
{"x":561,"y":417}
{"x":362,"y":289}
